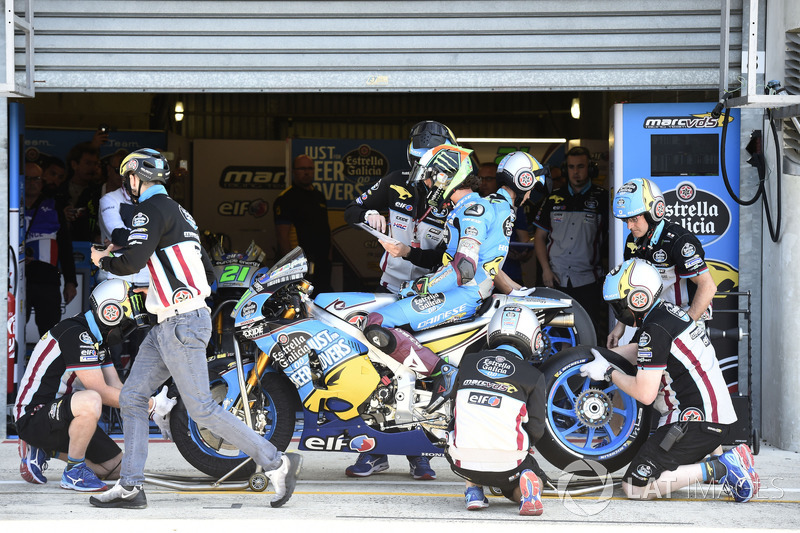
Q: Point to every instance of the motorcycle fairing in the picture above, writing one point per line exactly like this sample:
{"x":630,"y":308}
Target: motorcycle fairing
{"x":329,"y":369}
{"x":350,"y":436}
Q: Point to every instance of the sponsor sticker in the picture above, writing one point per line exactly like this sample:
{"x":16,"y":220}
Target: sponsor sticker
{"x":140,"y":219}
{"x":495,"y":367}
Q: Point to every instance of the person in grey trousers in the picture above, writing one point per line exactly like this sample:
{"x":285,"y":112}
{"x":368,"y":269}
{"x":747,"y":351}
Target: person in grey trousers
{"x":164,"y":237}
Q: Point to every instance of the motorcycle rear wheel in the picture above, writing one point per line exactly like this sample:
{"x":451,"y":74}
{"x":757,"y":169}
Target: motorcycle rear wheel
{"x":561,"y":337}
{"x":212,"y":454}
{"x":589,"y":420}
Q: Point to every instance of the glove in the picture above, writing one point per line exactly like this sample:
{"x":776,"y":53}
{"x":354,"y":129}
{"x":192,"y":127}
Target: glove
{"x":375,"y":220}
{"x":522,"y":291}
{"x":596,"y":369}
{"x":414,"y":287}
{"x":160,"y":413}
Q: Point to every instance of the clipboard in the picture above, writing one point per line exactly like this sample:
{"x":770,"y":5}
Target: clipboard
{"x":378,"y":234}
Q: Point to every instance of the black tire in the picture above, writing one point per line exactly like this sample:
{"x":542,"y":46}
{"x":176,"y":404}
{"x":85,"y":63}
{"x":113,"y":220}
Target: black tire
{"x":215,"y":457}
{"x":583,"y":330}
{"x":571,"y":455}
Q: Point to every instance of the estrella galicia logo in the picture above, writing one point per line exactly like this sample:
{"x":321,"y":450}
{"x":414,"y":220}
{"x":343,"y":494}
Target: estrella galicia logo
{"x":139,"y":220}
{"x":85,"y":338}
{"x":362,"y":443}
{"x":253,"y":177}
{"x":248,"y":309}
{"x":489,"y":400}
{"x":702,"y":121}
{"x":701,"y":212}
{"x":495,"y":367}
{"x":427,"y":303}
{"x":364,"y":162}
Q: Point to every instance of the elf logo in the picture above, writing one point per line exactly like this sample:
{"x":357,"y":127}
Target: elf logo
{"x":489,"y":400}
{"x":333,"y":443}
{"x":246,"y":177}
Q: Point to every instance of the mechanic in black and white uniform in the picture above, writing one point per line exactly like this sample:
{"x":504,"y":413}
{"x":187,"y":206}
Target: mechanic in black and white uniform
{"x":675,"y":252}
{"x":412,"y":223}
{"x":499,"y":413}
{"x":679,"y":374}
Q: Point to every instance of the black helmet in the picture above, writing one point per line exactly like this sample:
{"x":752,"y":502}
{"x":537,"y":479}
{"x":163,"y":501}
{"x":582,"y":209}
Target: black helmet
{"x":426,"y":135}
{"x":146,"y":164}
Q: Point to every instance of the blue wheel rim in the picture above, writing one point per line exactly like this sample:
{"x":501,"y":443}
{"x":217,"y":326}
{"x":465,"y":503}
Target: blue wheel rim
{"x":560,"y":338}
{"x":578,"y":437}
{"x":197,"y":433}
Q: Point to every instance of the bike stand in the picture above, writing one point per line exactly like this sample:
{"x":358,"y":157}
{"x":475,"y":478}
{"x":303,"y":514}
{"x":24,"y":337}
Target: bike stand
{"x":577,"y":487}
{"x":258,"y":481}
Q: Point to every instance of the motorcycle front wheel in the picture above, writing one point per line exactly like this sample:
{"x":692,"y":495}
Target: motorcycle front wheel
{"x":272,"y":412}
{"x":590,"y":420}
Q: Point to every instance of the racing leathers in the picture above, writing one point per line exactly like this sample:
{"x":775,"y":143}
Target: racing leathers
{"x":478,"y":232}
{"x":411,"y":223}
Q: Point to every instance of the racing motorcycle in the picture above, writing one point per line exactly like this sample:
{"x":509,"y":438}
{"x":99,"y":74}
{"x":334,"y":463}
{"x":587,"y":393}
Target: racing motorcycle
{"x":292,"y":353}
{"x":234,"y":272}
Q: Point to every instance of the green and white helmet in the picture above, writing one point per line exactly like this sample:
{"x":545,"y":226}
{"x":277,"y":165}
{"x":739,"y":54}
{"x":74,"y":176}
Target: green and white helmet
{"x":447,"y":167}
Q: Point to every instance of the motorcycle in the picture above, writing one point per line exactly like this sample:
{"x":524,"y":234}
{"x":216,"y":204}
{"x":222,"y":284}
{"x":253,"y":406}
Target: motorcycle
{"x":312,"y":356}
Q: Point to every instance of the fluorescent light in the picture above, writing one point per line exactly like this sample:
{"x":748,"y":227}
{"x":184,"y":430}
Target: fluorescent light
{"x":511,"y":140}
{"x":575,"y":109}
{"x":178,"y":111}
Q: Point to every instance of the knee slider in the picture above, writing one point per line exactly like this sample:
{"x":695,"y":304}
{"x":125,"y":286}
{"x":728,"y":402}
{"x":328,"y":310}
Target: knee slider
{"x":381,"y":338}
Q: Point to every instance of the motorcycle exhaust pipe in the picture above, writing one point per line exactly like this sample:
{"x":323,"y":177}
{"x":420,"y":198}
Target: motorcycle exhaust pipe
{"x":567,"y":320}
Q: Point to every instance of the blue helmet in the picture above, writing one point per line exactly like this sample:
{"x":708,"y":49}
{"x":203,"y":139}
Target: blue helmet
{"x":639,"y":196}
{"x":426,"y":135}
{"x":632,"y":289}
{"x":516,"y":326}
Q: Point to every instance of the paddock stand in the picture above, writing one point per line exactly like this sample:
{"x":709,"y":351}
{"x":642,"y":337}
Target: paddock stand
{"x":258,"y":480}
{"x":574,"y":487}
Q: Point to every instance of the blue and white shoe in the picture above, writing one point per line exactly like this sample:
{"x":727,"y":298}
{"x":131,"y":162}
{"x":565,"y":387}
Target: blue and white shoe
{"x":531,"y":488}
{"x":81,"y":478}
{"x":475,"y":499}
{"x":34,"y":462}
{"x":367,"y":464}
{"x":421,"y":468}
{"x":741,"y":481}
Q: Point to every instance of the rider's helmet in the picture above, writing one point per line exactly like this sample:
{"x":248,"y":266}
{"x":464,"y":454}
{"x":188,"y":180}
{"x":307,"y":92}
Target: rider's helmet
{"x":117,"y":310}
{"x":424,"y":136}
{"x":516,"y":326}
{"x":521,"y":172}
{"x":639,"y":196}
{"x":448,"y":167}
{"x":632,"y":290}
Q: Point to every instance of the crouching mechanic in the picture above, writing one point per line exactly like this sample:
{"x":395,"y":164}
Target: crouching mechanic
{"x":164,"y":237}
{"x":675,"y":252}
{"x":679,"y":374}
{"x":500,"y":413}
{"x":478,"y":231}
{"x":66,"y":383}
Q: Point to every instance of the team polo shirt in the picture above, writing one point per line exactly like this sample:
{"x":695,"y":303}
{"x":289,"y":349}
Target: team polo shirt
{"x":677,"y":255}
{"x":576,"y":224}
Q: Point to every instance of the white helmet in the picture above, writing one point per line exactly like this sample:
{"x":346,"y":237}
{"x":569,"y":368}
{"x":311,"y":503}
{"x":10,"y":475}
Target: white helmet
{"x":116,"y":308}
{"x":632,"y":289}
{"x":517,"y":326}
{"x":522,"y":172}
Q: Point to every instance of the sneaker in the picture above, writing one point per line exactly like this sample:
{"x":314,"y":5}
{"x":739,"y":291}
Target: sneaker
{"x":421,"y":468}
{"x":284,"y":478}
{"x":34,"y":462}
{"x":475,"y":499}
{"x":120,"y":497}
{"x":367,"y":464}
{"x":741,"y":481}
{"x":531,"y":502}
{"x":443,"y":386}
{"x":81,"y":478}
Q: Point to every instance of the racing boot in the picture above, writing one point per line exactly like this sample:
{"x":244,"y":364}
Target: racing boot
{"x":443,"y":385}
{"x":401,"y":346}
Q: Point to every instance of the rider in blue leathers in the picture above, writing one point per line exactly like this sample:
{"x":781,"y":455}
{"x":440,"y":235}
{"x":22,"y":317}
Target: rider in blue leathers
{"x":478,"y":231}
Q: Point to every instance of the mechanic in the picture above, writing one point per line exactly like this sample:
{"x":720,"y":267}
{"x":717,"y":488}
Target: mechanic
{"x":679,"y":374}
{"x":65,"y":386}
{"x":673,"y":250}
{"x":478,"y":231}
{"x":164,"y":237}
{"x":499,"y":413}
